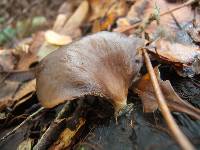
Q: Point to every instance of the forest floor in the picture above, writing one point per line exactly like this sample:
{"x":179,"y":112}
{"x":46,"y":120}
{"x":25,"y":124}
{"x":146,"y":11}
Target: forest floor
{"x":30,"y":30}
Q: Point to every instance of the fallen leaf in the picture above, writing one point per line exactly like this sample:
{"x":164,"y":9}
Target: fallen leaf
{"x":37,"y":41}
{"x":168,"y":21}
{"x":103,"y":64}
{"x":64,"y":13}
{"x":185,"y":58}
{"x":76,"y":20}
{"x":22,"y":100}
{"x":7,"y":60}
{"x":13,"y":91}
{"x":25,"y":89}
{"x":8,"y":89}
{"x":57,"y":39}
{"x":27,"y":57}
{"x":69,"y":30}
{"x":136,"y":12}
{"x":60,"y":21}
{"x":145,"y":91}
{"x":113,"y":11}
{"x":99,"y":8}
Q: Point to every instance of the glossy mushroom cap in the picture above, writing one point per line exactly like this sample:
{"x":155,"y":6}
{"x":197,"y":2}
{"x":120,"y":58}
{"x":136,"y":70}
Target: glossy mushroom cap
{"x":103,"y":64}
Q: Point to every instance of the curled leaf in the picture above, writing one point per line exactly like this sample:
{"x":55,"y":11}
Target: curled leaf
{"x":185,"y":58}
{"x":102,"y":64}
{"x":145,"y":91}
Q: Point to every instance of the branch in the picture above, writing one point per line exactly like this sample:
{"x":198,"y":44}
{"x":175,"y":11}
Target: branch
{"x":175,"y":130}
{"x":20,"y":125}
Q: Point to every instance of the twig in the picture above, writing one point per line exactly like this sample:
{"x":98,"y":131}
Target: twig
{"x":162,"y":14}
{"x":20,"y":125}
{"x":175,"y":130}
{"x":178,"y":7}
{"x":63,"y":111}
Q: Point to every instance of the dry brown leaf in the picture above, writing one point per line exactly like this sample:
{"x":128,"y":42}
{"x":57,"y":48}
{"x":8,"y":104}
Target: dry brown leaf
{"x":103,"y":24}
{"x":102,"y":64}
{"x":7,"y":60}
{"x":114,"y":10}
{"x":29,"y":57}
{"x":60,"y":21}
{"x":66,"y":137}
{"x":8,"y":89}
{"x":142,"y":10}
{"x":145,"y":91}
{"x":12,"y":92}
{"x":57,"y":39}
{"x":76,"y":20}
{"x":69,"y":30}
{"x":99,"y":8}
{"x":22,"y":100}
{"x":168,"y":21}
{"x":136,"y":12}
{"x":38,"y":40}
{"x":25,"y":89}
{"x":185,"y":57}
{"x":26,"y":60}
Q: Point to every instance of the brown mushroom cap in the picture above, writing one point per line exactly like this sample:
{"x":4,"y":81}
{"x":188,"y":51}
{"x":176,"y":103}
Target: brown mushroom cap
{"x":103,"y":64}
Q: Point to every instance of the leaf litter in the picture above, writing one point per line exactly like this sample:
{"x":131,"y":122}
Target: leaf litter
{"x":173,"y":39}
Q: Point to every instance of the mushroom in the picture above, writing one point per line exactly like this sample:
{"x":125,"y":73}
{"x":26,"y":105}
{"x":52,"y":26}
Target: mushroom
{"x":103,"y":64}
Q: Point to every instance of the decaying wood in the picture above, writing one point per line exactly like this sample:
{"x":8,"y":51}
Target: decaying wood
{"x":53,"y":130}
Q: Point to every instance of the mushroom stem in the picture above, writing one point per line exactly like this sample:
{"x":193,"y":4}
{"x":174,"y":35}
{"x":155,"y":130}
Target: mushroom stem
{"x":175,"y":130}
{"x":119,"y":108}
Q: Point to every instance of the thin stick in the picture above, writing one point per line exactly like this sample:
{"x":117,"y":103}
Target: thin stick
{"x":178,"y":7}
{"x":162,"y":14}
{"x":20,"y":125}
{"x":175,"y":130}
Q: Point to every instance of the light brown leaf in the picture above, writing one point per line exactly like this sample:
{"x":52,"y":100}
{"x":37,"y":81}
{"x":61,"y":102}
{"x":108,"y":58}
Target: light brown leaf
{"x":184,"y":57}
{"x":8,"y":89}
{"x":99,"y":8}
{"x":7,"y":60}
{"x":145,"y":91}
{"x":25,"y":89}
{"x":76,"y":20}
